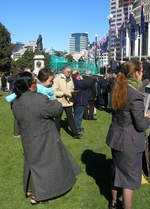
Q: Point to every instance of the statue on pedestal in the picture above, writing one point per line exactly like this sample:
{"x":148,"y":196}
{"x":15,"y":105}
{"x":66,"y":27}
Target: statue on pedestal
{"x":39,"y":44}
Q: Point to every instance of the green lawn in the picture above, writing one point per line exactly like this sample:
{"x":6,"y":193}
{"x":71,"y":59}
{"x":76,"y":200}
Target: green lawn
{"x":92,"y":189}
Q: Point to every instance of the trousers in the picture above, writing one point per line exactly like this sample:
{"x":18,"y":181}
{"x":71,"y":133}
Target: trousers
{"x":78,"y":115}
{"x":70,"y":119}
{"x":89,"y":115}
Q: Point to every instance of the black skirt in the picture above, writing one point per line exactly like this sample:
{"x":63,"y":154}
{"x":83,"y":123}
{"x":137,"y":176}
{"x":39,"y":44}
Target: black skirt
{"x":126,"y":169}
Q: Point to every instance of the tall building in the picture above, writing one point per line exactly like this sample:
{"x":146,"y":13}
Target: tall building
{"x":31,"y":46}
{"x":117,"y":9}
{"x":78,"y":42}
{"x":140,"y":47}
{"x":18,"y":46}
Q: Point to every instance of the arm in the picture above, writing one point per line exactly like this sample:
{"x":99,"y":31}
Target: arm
{"x":140,"y":122}
{"x":50,"y":108}
{"x":10,"y":98}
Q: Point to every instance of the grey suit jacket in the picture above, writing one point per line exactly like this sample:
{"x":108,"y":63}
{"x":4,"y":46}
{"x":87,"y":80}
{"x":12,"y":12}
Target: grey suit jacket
{"x":126,"y":132}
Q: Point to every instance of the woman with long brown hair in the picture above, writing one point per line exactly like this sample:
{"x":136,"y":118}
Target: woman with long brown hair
{"x":126,"y":133}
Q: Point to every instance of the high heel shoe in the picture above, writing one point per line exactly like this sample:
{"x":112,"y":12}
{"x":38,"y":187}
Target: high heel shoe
{"x":34,"y":202}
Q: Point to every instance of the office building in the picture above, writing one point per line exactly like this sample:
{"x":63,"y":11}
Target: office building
{"x":18,"y":46}
{"x":140,"y":47}
{"x":78,"y":42}
{"x":31,"y":46}
{"x":117,"y":9}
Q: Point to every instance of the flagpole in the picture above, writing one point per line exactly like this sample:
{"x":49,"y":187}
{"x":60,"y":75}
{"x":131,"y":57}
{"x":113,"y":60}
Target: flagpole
{"x":140,"y":38}
{"x":115,"y":53}
{"x":142,"y":28}
{"x":122,"y":54}
{"x":140,"y":47}
{"x":122,"y":45}
{"x":129,"y":30}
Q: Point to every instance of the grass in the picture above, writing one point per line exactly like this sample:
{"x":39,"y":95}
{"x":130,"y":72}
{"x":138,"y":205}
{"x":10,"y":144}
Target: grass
{"x":92,"y":189}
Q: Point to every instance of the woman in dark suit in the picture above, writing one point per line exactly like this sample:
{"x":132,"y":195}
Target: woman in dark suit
{"x":49,"y":168}
{"x":126,"y":133}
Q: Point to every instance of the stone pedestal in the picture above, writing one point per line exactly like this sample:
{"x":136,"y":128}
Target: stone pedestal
{"x":38,"y":63}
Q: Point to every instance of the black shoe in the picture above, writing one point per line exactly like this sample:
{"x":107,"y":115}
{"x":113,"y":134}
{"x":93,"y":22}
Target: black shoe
{"x":112,"y":205}
{"x":85,"y":118}
{"x":81,"y":130}
{"x":100,"y":108}
{"x":120,"y":204}
{"x":93,"y":119}
{"x":77,"y":136}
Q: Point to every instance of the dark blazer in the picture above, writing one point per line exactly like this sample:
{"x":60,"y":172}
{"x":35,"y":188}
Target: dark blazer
{"x":52,"y":167}
{"x":11,"y":81}
{"x":146,"y":67}
{"x":103,"y":92}
{"x":91,"y":91}
{"x":126,"y":132}
{"x":80,"y":97}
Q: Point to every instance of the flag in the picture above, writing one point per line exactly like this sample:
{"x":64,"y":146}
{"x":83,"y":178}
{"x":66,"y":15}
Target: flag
{"x":115,"y":35}
{"x":123,"y":31}
{"x":142,"y":29}
{"x":101,"y":47}
{"x":133,"y":25}
{"x":106,"y":42}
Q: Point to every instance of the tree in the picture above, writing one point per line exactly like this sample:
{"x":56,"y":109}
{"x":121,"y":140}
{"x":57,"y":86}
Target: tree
{"x":26,"y":60}
{"x":47,"y":60}
{"x":6,"y":48}
{"x":69,"y":57}
{"x":60,"y":53}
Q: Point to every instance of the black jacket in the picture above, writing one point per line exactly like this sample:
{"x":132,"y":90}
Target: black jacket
{"x":91,"y":90}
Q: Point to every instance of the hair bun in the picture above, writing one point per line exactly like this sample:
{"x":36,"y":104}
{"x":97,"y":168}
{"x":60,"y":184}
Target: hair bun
{"x":124,"y":71}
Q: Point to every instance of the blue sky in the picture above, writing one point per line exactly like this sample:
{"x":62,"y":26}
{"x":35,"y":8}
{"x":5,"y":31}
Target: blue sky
{"x":55,"y":20}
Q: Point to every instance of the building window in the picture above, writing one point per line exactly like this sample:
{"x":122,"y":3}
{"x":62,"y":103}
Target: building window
{"x":113,"y":3}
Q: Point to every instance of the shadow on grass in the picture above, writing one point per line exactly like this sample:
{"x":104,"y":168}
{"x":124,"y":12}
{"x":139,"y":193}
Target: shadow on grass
{"x":64,"y":125}
{"x":98,"y":167}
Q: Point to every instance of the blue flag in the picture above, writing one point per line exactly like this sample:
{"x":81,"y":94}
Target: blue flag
{"x":107,"y":42}
{"x":101,"y":46}
{"x":123,"y":31}
{"x":133,"y":25}
{"x":142,"y":29}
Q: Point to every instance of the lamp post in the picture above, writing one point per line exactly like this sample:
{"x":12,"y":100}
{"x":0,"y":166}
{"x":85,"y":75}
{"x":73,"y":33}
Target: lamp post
{"x":88,"y":52}
{"x":110,"y":17}
{"x":96,"y":35}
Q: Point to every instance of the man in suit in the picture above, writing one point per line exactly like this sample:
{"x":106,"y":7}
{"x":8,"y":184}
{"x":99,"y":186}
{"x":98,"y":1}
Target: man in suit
{"x":80,"y":98}
{"x":91,"y":94}
{"x":63,"y":87}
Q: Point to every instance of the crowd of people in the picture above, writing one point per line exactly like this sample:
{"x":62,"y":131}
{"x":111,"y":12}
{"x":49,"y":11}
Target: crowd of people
{"x":38,"y":101}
